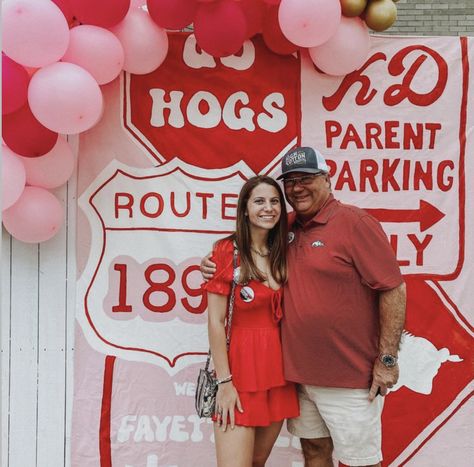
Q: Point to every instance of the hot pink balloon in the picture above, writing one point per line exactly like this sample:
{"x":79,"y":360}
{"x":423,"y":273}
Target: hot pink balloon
{"x":144,"y":42}
{"x":97,"y":50}
{"x":105,"y":13}
{"x":272,"y":35}
{"x":53,"y":169}
{"x":345,"y":51}
{"x":172,"y":14}
{"x":14,"y":85}
{"x":254,"y":13}
{"x":35,"y":217}
{"x":220,"y":27}
{"x":65,"y":98}
{"x":26,"y":136}
{"x":13,"y":177}
{"x":309,"y":23}
{"x":35,"y":33}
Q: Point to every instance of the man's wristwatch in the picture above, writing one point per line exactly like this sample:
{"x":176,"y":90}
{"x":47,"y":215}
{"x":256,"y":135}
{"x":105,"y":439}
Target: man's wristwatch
{"x":388,"y":360}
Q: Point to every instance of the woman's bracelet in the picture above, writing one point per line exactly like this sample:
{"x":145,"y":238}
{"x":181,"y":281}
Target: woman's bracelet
{"x":224,"y":380}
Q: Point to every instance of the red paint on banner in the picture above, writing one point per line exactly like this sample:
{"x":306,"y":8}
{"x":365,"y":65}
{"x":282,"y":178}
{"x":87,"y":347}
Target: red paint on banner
{"x":407,"y":412}
{"x":104,"y":431}
{"x":214,"y":112}
{"x":426,"y":215}
{"x":396,"y":93}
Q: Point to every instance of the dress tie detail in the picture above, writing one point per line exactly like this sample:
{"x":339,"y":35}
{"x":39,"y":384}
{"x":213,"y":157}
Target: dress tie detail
{"x":277,"y":310}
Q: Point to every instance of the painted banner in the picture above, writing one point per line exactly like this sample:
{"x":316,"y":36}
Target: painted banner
{"x":159,"y":177}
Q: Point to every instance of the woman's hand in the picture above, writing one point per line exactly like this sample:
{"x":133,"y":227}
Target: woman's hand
{"x":226,"y":400}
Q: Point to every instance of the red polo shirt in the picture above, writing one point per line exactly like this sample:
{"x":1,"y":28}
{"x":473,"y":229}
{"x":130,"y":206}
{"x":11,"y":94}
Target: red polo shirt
{"x":337,"y":263}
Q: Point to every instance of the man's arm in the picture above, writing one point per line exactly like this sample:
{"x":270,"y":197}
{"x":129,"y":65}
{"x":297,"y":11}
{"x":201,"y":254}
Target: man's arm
{"x":392,"y":304}
{"x":207,"y":267}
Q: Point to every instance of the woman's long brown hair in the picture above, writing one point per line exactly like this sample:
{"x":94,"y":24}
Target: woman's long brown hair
{"x":277,"y":237}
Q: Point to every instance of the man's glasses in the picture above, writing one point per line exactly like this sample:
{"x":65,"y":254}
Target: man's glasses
{"x":304,"y":180}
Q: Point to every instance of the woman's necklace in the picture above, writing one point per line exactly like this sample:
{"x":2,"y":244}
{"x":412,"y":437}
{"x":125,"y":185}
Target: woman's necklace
{"x":262,"y":255}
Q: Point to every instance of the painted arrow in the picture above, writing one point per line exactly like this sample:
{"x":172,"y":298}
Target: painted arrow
{"x":427,"y":215}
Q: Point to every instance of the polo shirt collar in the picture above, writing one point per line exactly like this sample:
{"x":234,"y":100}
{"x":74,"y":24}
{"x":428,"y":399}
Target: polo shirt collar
{"x":322,"y":216}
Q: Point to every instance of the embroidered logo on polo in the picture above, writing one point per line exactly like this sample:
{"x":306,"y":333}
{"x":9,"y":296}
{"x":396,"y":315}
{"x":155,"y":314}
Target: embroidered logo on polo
{"x":247,"y":294}
{"x":317,"y":244}
{"x":291,"y":236}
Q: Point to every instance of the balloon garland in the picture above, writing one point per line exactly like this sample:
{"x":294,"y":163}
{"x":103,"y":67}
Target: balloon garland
{"x":58,"y":53}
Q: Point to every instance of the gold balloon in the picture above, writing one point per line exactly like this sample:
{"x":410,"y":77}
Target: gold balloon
{"x":352,"y":8}
{"x":380,"y":14}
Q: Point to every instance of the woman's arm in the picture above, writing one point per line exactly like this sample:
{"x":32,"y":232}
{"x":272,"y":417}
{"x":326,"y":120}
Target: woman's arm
{"x":227,"y":396}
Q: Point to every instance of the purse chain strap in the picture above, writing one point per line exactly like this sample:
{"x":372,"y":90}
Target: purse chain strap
{"x":231,"y":307}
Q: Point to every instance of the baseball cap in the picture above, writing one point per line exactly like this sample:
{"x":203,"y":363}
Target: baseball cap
{"x":303,"y":159}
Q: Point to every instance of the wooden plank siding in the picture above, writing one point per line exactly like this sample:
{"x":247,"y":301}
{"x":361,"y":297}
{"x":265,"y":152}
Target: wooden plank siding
{"x":37,"y":329}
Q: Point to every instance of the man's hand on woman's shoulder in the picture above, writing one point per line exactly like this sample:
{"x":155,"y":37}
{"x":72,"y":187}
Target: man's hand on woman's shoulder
{"x":207,"y":267}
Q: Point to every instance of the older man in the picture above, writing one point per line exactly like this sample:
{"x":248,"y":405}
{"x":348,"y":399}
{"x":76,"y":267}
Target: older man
{"x":344,"y":309}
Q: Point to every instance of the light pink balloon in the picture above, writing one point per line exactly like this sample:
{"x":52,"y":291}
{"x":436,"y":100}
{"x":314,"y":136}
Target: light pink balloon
{"x":35,"y":33}
{"x":13,"y":177}
{"x":345,"y":51}
{"x":144,"y":42}
{"x":97,"y":50}
{"x":53,"y":169}
{"x":65,"y":98}
{"x":309,"y":23}
{"x":35,"y":217}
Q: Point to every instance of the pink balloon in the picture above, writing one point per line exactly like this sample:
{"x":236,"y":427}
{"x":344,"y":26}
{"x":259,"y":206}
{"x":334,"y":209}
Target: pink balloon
{"x":220,"y":27}
{"x":97,"y":50}
{"x":65,"y":98}
{"x":309,"y":23}
{"x":53,"y":169}
{"x":345,"y":51}
{"x":35,"y":217}
{"x":144,"y":42}
{"x":34,"y":32}
{"x":13,"y":177}
{"x":105,"y":13}
{"x":26,"y":136}
{"x":172,"y":14}
{"x":14,"y":85}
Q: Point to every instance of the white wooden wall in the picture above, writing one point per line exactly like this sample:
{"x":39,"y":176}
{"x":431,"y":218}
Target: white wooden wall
{"x":37,"y":344}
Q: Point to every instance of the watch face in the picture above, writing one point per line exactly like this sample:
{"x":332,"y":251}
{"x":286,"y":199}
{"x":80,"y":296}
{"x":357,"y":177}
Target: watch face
{"x":388,"y":360}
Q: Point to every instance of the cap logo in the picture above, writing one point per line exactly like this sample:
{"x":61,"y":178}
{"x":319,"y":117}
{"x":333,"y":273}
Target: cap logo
{"x":296,"y":158}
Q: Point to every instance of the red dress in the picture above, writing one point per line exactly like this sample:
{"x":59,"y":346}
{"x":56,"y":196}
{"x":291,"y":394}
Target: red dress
{"x":255,"y":355}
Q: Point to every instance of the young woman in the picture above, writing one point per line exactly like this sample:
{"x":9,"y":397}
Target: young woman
{"x":253,"y":397}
